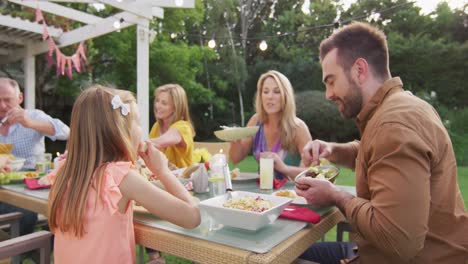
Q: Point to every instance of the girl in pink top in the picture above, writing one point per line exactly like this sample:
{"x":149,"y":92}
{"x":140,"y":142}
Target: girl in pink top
{"x":90,"y":203}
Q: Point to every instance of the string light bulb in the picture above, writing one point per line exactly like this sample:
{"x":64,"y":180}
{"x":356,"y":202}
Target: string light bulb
{"x":263,"y":45}
{"x":179,"y":2}
{"x":212,"y":42}
{"x":173,"y":35}
{"x":120,"y":1}
{"x":118,"y":23}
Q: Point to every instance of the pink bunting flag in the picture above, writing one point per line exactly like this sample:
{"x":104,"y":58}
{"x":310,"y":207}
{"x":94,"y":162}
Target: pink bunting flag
{"x":51,"y":46}
{"x":45,"y":31}
{"x":69,"y":68}
{"x":39,"y":16}
{"x":63,"y":64}
{"x":81,"y":51}
{"x":76,"y":62}
{"x":49,"y":59}
{"x":57,"y":67}
{"x":58,"y":57}
{"x":83,"y":65}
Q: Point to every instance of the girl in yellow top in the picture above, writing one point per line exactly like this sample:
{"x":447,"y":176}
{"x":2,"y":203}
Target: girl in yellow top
{"x":173,"y":131}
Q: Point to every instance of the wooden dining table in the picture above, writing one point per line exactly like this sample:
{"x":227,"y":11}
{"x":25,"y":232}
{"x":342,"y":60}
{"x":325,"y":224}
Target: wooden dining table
{"x":185,"y":245}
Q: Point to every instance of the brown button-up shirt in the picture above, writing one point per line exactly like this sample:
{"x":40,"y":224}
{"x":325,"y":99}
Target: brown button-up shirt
{"x":408,"y":208}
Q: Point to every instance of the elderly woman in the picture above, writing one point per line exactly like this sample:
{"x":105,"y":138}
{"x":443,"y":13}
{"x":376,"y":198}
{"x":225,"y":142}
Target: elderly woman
{"x":173,"y":131}
{"x":282,"y":135}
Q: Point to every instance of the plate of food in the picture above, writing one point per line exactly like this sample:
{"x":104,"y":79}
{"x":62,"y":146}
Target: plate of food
{"x":325,"y":172}
{"x":246,"y":210}
{"x":291,"y":194}
{"x":16,"y":177}
{"x":235,"y":133}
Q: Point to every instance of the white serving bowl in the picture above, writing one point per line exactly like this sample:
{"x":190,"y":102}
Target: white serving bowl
{"x":242,"y":218}
{"x":16,"y":164}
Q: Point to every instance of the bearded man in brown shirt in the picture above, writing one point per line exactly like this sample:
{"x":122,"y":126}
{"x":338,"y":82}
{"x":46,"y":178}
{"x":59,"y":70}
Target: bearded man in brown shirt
{"x":408,"y":207}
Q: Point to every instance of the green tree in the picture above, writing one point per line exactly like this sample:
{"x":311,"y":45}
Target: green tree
{"x":323,"y":118}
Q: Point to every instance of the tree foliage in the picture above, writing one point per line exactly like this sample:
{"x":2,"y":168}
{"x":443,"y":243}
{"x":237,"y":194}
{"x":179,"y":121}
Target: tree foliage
{"x":323,"y":119}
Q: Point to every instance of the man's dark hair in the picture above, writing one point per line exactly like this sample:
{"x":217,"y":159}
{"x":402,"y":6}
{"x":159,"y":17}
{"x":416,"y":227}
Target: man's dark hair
{"x":359,"y":40}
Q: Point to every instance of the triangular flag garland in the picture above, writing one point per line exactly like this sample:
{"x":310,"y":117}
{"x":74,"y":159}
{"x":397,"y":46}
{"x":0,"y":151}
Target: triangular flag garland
{"x":65,"y":64}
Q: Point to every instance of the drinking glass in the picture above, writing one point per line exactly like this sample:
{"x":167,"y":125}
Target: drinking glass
{"x":266,"y":173}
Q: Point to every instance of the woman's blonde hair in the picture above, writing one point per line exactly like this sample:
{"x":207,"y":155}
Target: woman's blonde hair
{"x":98,"y":134}
{"x":288,"y":108}
{"x":179,"y":98}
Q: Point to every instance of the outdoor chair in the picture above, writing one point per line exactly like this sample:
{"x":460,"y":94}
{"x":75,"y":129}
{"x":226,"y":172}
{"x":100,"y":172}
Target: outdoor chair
{"x":17,"y":245}
{"x":342,"y":227}
{"x":214,"y":147}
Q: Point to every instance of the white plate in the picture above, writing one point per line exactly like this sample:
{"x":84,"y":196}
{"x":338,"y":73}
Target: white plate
{"x":246,"y":176}
{"x":297,"y":200}
{"x":236,"y":133}
{"x":242,"y":218}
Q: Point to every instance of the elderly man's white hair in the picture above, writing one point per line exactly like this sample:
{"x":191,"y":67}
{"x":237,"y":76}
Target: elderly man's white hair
{"x":7,"y":81}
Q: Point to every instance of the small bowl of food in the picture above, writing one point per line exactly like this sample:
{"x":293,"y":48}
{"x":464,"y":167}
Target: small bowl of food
{"x":16,"y":164}
{"x":324,"y":172}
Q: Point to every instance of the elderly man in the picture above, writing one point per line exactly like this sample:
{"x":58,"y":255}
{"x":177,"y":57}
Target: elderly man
{"x":408,"y":208}
{"x":25,"y":129}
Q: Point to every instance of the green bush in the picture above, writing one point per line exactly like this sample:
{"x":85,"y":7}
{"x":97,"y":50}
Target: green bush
{"x":323,"y":118}
{"x":456,"y":122}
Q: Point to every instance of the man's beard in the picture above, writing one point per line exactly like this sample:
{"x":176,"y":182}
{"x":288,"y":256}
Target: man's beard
{"x":352,"y":101}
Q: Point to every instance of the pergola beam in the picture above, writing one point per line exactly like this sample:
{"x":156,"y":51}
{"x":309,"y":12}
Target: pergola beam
{"x":106,"y":26}
{"x":25,"y":25}
{"x":71,"y":1}
{"x":139,"y":8}
{"x":60,"y":10}
{"x":12,"y":40}
{"x":174,"y":3}
{"x":160,"y":3}
{"x":157,"y":12}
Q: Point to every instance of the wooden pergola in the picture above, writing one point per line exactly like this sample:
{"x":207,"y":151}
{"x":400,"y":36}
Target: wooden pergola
{"x":22,"y":39}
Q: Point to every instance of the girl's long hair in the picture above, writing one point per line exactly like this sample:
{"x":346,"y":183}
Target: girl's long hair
{"x":288,"y":108}
{"x":179,"y":98}
{"x":98,"y":134}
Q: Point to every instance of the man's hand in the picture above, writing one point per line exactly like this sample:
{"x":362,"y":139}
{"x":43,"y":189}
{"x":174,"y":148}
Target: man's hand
{"x":18,"y":115}
{"x":322,"y":193}
{"x":319,"y":193}
{"x":314,"y":150}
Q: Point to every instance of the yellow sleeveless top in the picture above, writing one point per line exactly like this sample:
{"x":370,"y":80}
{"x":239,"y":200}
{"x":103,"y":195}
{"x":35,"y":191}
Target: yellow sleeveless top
{"x":179,"y":156}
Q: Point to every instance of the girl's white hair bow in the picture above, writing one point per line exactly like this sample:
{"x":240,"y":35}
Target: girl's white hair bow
{"x":117,"y":102}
